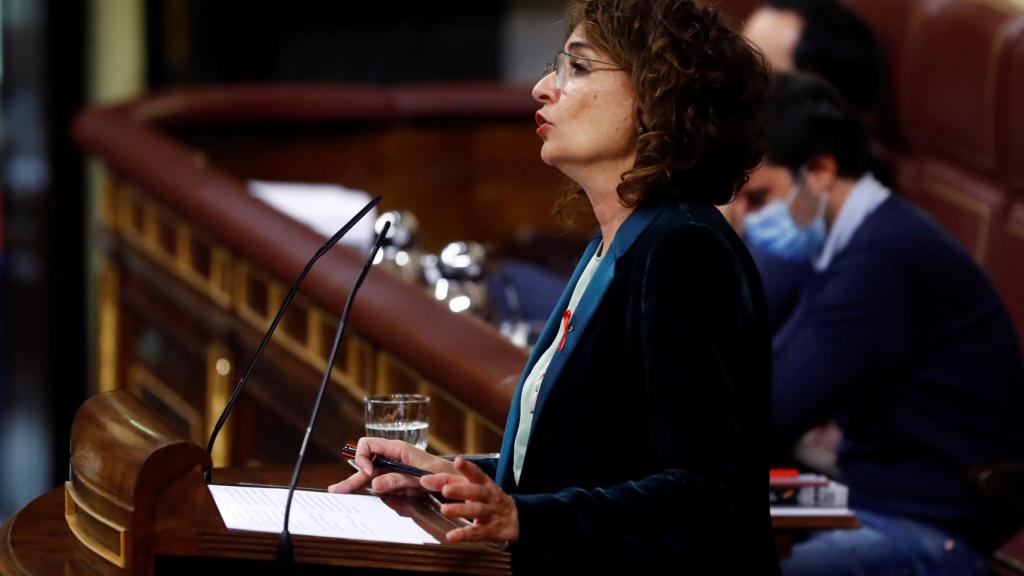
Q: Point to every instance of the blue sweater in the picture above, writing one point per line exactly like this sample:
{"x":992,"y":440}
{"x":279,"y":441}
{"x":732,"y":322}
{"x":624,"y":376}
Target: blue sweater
{"x":905,"y":344}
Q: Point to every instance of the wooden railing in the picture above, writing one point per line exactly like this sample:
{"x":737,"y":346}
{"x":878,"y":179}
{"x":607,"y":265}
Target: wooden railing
{"x":194,"y":267}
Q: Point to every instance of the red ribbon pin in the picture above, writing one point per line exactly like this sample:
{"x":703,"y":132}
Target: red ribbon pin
{"x":565,"y":328}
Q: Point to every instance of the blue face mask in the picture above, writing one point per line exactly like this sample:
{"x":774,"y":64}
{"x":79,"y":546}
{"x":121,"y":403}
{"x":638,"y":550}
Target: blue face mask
{"x":773,"y":229}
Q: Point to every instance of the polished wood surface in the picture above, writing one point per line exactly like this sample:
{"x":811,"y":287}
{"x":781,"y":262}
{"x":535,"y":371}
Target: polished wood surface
{"x":36,"y":541}
{"x":831,"y":522}
{"x":124,"y":459}
{"x":137,"y":495}
{"x":790,"y":529}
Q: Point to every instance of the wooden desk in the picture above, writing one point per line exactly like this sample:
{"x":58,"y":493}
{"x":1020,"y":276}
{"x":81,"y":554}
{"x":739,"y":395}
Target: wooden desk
{"x":36,"y":540}
{"x":789,"y":529}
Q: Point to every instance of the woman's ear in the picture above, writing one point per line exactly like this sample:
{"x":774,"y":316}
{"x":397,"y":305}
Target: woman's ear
{"x":821,"y":172}
{"x":642,"y":122}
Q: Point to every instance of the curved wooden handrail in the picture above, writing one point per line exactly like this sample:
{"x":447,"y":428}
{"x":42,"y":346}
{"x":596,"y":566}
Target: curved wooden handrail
{"x":467,"y":358}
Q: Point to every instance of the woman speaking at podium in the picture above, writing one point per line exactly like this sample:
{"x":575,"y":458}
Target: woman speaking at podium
{"x":638,"y":434}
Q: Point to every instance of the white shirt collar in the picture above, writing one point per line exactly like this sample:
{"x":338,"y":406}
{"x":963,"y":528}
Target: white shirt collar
{"x":867,"y":194}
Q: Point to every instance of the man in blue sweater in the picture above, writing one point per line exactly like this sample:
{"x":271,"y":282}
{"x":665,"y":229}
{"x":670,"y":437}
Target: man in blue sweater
{"x":885,"y":325}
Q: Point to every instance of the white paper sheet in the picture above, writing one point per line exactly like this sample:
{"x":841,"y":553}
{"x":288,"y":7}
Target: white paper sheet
{"x":322,"y":207}
{"x":808,"y":511}
{"x":349,"y":516}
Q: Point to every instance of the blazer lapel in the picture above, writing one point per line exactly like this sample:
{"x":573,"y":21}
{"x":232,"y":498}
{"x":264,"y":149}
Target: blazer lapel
{"x":627,"y":233}
{"x":546,"y":336}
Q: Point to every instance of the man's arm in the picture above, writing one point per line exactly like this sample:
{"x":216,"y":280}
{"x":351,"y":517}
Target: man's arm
{"x":851,"y":327}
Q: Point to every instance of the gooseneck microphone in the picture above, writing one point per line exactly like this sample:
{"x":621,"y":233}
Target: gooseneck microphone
{"x":277,"y":319}
{"x":284,"y":544}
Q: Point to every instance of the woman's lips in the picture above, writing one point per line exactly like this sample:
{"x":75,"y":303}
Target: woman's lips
{"x":542,"y":122}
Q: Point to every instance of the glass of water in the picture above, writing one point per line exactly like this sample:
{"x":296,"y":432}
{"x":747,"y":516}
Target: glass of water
{"x":398,"y":417}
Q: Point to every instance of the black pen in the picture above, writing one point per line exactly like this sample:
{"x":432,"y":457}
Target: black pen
{"x":349,"y":451}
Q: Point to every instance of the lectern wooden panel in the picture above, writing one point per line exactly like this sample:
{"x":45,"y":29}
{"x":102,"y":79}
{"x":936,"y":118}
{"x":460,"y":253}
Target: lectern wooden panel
{"x":136,"y":498}
{"x":136,"y":504}
{"x":123,"y":459}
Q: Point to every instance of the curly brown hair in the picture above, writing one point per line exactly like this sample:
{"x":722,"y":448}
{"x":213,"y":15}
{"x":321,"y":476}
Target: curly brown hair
{"x":701,"y":93}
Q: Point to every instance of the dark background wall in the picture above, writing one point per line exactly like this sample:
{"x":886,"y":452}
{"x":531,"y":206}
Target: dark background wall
{"x":304,"y":41}
{"x":43,"y":377}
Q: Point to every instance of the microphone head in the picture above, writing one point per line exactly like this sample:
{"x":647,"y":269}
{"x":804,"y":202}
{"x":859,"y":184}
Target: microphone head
{"x":405,"y":229}
{"x":463,"y":260}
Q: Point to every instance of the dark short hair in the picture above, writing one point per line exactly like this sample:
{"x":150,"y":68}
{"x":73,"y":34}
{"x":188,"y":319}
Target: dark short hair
{"x":701,"y":91}
{"x":837,"y":45}
{"x":808,"y":117}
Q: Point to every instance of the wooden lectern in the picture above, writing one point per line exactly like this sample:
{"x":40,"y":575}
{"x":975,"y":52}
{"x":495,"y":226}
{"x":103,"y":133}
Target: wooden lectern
{"x":136,"y":503}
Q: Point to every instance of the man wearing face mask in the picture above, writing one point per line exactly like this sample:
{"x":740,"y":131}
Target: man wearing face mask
{"x":893,"y":332}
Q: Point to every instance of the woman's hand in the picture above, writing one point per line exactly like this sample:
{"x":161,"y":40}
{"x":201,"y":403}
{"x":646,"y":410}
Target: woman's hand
{"x":494,"y":514}
{"x":393,"y":481}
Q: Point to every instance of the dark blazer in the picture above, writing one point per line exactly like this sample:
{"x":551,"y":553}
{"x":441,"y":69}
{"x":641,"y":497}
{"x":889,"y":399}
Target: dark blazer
{"x":650,"y":438}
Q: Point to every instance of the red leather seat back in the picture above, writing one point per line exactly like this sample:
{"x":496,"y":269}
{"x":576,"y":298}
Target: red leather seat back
{"x":952,"y":125}
{"x":1008,"y":265}
{"x":956,"y":75}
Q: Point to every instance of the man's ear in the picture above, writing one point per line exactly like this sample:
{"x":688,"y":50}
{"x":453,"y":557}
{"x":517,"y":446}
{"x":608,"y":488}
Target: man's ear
{"x":821,"y":172}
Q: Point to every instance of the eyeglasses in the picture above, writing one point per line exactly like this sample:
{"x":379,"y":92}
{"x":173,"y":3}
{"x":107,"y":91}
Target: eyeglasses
{"x":566,"y":67}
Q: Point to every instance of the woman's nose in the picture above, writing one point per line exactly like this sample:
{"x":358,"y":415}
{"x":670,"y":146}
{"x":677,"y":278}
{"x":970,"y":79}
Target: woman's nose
{"x":545,"y":90}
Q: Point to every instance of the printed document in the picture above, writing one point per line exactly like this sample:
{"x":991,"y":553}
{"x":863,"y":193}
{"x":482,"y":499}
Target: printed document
{"x":351,"y":516}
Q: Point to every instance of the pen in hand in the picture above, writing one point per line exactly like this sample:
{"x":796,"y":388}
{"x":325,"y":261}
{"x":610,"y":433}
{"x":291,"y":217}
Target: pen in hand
{"x":349,"y":451}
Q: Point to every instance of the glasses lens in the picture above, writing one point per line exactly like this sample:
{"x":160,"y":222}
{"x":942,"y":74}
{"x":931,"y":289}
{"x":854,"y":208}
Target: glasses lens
{"x":561,"y":68}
